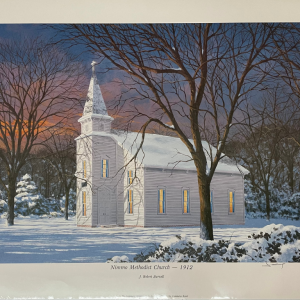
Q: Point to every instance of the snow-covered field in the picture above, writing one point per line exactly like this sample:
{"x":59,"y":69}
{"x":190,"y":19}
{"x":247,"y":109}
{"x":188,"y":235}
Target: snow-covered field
{"x":56,"y":240}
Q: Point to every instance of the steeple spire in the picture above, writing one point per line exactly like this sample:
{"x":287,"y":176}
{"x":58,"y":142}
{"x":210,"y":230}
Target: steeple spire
{"x":95,"y":118}
{"x":95,"y":102}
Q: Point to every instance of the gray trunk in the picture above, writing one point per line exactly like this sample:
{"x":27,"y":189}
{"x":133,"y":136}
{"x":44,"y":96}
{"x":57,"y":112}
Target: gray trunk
{"x":11,"y":200}
{"x":205,"y":211}
{"x":67,"y":204}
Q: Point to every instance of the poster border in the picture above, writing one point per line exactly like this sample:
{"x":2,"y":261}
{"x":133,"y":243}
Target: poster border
{"x":211,"y":280}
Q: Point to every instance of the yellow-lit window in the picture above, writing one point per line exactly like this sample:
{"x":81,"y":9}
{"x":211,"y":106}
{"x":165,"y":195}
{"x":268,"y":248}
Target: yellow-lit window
{"x":104,"y":171}
{"x":130,"y":177}
{"x":130,"y":202}
{"x":211,"y":202}
{"x":84,"y":203}
{"x":186,"y":201}
{"x":231,"y":202}
{"x":161,"y":201}
{"x":84,"y":168}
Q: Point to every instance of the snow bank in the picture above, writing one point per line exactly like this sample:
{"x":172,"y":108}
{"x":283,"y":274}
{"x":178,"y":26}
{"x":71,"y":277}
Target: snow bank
{"x":120,"y":259}
{"x":273,"y":243}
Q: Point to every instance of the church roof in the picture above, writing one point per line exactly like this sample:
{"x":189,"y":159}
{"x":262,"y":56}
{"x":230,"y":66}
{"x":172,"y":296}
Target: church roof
{"x":158,"y":151}
{"x":167,"y":152}
{"x":95,"y":103}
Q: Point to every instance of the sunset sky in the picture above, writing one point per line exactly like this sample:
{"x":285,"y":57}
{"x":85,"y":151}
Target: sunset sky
{"x":107,"y":80}
{"x":19,"y":31}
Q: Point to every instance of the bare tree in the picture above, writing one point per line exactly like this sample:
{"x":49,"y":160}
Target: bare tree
{"x":161,"y":130}
{"x":61,"y":153}
{"x":261,"y":142}
{"x":287,"y":41}
{"x":289,"y":151}
{"x":39,"y":87}
{"x":195,"y":74}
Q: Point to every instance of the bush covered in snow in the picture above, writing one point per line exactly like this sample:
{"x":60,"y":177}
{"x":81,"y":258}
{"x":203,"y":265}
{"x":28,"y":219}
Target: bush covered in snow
{"x":283,"y":203}
{"x":3,"y":206}
{"x":29,"y":202}
{"x":72,"y":202}
{"x":274,"y":243}
{"x":119,"y":259}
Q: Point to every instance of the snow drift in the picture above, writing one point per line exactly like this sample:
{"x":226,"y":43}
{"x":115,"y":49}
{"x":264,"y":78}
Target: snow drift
{"x":273,"y":243}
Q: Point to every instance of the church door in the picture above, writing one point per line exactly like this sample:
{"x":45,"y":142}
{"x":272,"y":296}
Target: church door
{"x":104,"y":207}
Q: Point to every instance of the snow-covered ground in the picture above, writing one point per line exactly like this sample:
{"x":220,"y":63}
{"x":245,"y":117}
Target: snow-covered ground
{"x":56,"y":240}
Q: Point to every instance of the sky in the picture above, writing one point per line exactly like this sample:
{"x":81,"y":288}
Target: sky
{"x":19,"y":31}
{"x":110,"y":90}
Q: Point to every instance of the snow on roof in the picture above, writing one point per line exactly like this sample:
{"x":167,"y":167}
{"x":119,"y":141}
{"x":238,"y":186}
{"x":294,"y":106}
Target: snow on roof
{"x":167,"y":152}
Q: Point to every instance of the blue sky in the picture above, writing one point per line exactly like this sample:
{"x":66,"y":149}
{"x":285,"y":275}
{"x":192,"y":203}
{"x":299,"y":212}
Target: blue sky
{"x":19,"y":31}
{"x":16,"y":31}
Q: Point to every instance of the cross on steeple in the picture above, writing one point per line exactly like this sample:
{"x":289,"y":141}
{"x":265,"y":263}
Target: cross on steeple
{"x":93,"y":68}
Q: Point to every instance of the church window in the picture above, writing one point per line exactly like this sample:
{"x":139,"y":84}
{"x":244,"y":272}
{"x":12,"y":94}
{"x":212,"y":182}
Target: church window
{"x":231,"y":202}
{"x":84,"y":168}
{"x":84,"y":203}
{"x":211,"y":202}
{"x":186,"y":201}
{"x":130,"y":201}
{"x":130,"y":177}
{"x":161,"y":201}
{"x":104,"y":171}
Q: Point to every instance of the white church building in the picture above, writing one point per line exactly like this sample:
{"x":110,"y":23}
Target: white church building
{"x":157,"y":189}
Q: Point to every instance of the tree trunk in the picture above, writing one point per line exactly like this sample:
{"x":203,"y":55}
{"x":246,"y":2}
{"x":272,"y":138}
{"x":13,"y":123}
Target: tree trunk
{"x":67,"y":204}
{"x":11,"y":200}
{"x":291,"y":177}
{"x":205,"y":211}
{"x":206,"y":228}
{"x":268,"y":209}
{"x":47,"y":184}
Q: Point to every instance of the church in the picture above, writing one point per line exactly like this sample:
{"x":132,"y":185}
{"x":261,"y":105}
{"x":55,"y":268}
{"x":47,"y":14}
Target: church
{"x":157,"y":189}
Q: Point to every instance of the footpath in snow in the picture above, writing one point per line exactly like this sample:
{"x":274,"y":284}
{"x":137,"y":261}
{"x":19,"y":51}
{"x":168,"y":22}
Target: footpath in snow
{"x":56,"y":240}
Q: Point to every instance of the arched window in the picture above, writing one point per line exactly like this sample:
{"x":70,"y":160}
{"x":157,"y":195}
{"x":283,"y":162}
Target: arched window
{"x":130,"y":177}
{"x":84,"y":203}
{"x":186,"y":201}
{"x":130,"y":201}
{"x":104,"y":171}
{"x":211,"y":202}
{"x":161,"y":201}
{"x":231,"y":202}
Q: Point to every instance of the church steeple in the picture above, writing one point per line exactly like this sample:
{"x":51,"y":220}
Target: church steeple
{"x":95,"y":116}
{"x":95,"y":102}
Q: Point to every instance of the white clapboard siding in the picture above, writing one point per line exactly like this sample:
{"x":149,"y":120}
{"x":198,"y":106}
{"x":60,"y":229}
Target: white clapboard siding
{"x":221,"y":185}
{"x":84,"y":153}
{"x":120,"y":186}
{"x":114,"y":189}
{"x":104,"y":148}
{"x":137,"y":217}
{"x":174,"y":182}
